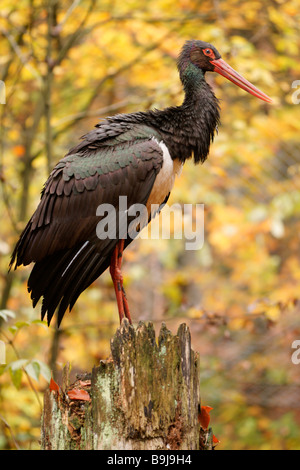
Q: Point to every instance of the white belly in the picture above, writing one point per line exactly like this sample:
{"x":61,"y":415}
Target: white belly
{"x":165,"y":179}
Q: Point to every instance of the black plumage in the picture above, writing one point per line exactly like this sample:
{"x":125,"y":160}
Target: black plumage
{"x":122,"y":156}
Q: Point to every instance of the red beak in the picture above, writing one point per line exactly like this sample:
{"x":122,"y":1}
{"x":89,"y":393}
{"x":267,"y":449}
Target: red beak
{"x":228,"y":72}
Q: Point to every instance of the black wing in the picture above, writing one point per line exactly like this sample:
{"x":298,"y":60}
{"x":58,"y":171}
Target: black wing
{"x":61,"y":238}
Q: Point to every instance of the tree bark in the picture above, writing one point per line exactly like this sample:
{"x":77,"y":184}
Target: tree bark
{"x":145,"y":397}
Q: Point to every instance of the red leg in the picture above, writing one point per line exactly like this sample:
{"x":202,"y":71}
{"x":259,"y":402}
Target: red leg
{"x":115,"y":275}
{"x":125,"y":301}
{"x":117,"y":278}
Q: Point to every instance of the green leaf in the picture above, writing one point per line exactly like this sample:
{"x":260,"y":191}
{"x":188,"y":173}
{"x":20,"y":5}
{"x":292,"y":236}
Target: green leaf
{"x":21,"y":324}
{"x":16,"y":376}
{"x":42,"y":323}
{"x":33,"y":370}
{"x":18,"y":325}
{"x":44,"y":369}
{"x":16,"y":365}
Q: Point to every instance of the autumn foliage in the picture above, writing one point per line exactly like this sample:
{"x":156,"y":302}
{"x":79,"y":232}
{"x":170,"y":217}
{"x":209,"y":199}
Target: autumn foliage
{"x":67,"y":65}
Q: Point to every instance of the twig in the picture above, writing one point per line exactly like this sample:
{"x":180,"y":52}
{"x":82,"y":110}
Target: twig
{"x":68,"y":13}
{"x":11,"y":433}
{"x":19,"y":53}
{"x":73,"y":37}
{"x":97,"y":112}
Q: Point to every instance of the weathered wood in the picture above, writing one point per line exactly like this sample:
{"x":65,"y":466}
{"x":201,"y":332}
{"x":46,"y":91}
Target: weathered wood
{"x":145,"y":397}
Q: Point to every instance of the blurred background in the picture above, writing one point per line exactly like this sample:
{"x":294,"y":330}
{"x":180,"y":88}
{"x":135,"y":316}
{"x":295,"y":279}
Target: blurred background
{"x":67,"y":64}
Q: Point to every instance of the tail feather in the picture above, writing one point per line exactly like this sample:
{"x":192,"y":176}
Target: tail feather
{"x":43,"y":273}
{"x":54,"y":293}
{"x":17,"y":255}
{"x":62,"y":277}
{"x":80,"y":283}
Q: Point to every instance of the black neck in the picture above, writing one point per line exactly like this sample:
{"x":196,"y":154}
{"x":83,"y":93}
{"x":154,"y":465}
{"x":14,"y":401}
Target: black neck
{"x":188,"y":130}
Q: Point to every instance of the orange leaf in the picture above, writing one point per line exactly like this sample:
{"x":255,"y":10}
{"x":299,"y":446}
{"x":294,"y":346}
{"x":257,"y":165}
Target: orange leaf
{"x":77,"y":394}
{"x":204,"y":417}
{"x":19,"y":150}
{"x":53,"y":386}
{"x":215,"y":440}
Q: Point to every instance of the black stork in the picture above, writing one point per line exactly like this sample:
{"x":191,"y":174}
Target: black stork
{"x":136,"y":155}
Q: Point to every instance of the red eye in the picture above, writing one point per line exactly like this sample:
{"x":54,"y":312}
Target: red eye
{"x":209,"y":52}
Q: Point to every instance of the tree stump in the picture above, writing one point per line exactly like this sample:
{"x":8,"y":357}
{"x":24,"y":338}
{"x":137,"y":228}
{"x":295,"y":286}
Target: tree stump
{"x":145,"y":397}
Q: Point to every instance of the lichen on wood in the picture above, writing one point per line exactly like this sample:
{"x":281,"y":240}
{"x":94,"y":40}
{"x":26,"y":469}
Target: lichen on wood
{"x":146,"y":396}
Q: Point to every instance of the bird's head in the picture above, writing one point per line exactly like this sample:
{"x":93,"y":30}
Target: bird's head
{"x":205,"y":58}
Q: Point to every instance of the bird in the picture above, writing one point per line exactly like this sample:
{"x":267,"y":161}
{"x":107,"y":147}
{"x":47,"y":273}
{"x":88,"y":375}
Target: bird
{"x":136,"y":156}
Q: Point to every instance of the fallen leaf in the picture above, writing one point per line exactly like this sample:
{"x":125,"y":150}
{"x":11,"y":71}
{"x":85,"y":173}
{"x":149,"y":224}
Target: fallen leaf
{"x":203,"y":416}
{"x":77,"y":394}
{"x":84,"y":383}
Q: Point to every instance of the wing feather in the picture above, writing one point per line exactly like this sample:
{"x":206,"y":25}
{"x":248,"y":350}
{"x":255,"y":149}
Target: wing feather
{"x":61,"y":239}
